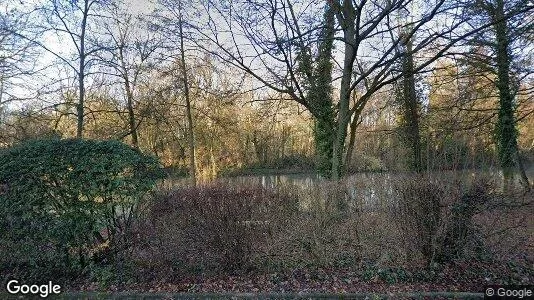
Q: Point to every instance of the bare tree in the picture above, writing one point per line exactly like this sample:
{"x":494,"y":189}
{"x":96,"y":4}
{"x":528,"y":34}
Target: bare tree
{"x":175,"y":24}
{"x":75,"y":21}
{"x":17,"y":55}
{"x":130,"y":58}
{"x":267,"y":40}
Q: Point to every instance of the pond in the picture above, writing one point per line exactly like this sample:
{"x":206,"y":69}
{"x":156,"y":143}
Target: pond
{"x":363,"y":189}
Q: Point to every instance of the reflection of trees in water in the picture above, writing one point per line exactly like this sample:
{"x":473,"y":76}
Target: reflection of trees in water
{"x":362,"y":191}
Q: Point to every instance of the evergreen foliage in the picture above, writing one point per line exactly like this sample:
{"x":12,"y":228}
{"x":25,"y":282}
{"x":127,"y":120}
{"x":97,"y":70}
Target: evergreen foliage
{"x":320,"y":93}
{"x":63,"y":198}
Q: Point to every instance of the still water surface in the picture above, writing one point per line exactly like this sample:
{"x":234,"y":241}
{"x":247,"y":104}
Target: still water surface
{"x":366,"y":189}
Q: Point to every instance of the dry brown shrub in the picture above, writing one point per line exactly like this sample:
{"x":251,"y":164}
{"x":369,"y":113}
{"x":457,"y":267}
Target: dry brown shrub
{"x":212,"y":228}
{"x":231,"y":228}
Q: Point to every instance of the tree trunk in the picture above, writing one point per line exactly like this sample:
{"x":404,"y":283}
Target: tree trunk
{"x":352,"y":131}
{"x":522,"y":172}
{"x":129,"y":99}
{"x":411,"y":110}
{"x":81,"y":74}
{"x":190,"y":129}
{"x":131,"y":115}
{"x":81,"y":98}
{"x":344,"y":93}
{"x":505,"y":129}
{"x":324,"y":141}
{"x":1,"y":97}
{"x":320,"y":98}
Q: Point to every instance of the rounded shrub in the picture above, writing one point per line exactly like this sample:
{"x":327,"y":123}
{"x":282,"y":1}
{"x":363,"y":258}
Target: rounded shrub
{"x":63,"y":200}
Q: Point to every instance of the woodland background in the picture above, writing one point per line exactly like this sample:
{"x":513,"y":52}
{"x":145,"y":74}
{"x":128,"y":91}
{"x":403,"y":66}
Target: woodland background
{"x":415,"y":119}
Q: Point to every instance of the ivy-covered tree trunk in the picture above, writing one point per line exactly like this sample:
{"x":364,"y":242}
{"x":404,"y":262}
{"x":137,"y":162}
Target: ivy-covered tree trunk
{"x":323,"y":134}
{"x":320,"y":98}
{"x":506,"y":132}
{"x":411,"y":111}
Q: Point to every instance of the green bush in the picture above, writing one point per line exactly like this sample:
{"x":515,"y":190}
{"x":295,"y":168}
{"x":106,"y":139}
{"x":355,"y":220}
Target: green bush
{"x":62,"y":200}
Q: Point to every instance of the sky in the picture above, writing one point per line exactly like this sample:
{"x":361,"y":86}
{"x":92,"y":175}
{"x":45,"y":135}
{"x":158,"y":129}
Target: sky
{"x":23,"y":87}
{"x":137,"y":7}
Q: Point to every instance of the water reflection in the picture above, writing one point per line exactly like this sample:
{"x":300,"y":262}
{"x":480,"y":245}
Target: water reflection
{"x":364,"y":190}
